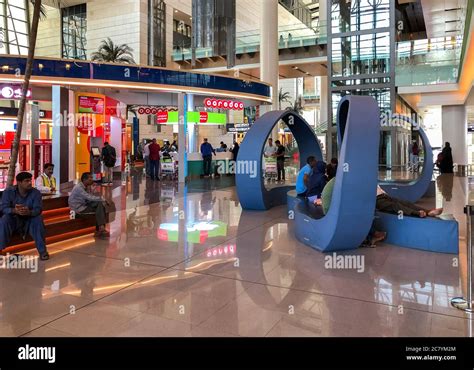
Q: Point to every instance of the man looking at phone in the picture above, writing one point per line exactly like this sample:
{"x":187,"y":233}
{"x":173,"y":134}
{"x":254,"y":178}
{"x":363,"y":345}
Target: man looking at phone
{"x":21,"y":207}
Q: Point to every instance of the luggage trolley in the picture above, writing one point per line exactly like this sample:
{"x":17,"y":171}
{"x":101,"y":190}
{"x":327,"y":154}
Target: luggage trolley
{"x":270,"y":168}
{"x":169,"y":168}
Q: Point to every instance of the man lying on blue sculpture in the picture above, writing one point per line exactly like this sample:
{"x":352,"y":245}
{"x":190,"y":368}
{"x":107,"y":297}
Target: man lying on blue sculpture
{"x":384,"y":203}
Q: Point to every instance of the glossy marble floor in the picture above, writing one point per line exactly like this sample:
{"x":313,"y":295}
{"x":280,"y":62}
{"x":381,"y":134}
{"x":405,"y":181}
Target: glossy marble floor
{"x":231,"y":273}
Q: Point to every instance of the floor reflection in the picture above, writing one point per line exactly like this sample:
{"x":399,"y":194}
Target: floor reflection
{"x":190,"y":262}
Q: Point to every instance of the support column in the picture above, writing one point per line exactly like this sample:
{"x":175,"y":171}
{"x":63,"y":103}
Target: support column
{"x":60,"y":104}
{"x":323,"y":113}
{"x":269,"y":70}
{"x":32,"y":117}
{"x":454,"y":126}
{"x":182,"y":142}
{"x":192,"y":132}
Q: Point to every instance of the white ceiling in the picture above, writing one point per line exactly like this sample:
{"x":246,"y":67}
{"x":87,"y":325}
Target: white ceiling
{"x":444,"y":17}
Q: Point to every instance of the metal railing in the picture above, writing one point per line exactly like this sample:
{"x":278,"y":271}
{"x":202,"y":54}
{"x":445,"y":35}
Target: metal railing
{"x":289,"y":37}
{"x":428,"y":62}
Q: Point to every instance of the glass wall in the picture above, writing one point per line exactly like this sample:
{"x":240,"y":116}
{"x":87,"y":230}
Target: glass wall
{"x":14,"y":28}
{"x":157,"y":33}
{"x":74,"y":26}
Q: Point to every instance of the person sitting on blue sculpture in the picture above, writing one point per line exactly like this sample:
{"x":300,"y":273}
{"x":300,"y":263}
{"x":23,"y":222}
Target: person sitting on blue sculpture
{"x":302,"y":181}
{"x":317,"y":182}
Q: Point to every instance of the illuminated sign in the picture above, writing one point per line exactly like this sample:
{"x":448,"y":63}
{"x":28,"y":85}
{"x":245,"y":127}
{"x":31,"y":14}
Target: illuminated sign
{"x":91,"y":104}
{"x":237,"y":127}
{"x":223,"y":104}
{"x":146,"y":109}
{"x":162,"y":117}
{"x":206,"y":118}
{"x":12,"y":92}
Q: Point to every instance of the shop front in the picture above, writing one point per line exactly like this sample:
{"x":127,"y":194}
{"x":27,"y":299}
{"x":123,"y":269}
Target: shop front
{"x":100,"y":119}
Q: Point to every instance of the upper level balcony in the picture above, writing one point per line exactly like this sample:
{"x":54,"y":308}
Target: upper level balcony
{"x":248,"y":42}
{"x":429,"y":61}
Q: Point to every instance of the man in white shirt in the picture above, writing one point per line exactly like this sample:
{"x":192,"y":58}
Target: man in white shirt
{"x":146,"y":157}
{"x":46,"y":182}
{"x":270,"y":149}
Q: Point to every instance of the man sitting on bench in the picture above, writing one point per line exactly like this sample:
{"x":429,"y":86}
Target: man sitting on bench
{"x":46,"y":182}
{"x":82,"y":202}
{"x":21,"y":207}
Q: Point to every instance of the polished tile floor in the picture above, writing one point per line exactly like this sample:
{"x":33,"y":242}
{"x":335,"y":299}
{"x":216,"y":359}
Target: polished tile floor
{"x":231,"y":273}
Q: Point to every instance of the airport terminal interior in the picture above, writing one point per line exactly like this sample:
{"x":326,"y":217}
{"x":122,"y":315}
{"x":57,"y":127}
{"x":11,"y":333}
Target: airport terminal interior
{"x":237,"y":168}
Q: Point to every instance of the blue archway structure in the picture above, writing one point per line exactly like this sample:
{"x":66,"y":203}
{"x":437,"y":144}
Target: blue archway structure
{"x":351,"y":213}
{"x":414,"y":190}
{"x":250,"y":186}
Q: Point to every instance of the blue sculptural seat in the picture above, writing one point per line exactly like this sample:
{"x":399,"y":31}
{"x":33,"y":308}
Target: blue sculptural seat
{"x":251,"y":189}
{"x":429,"y":234}
{"x":352,"y":209}
{"x":413,"y":191}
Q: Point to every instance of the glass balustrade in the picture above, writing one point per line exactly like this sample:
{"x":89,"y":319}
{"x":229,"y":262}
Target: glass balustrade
{"x":249,"y":41}
{"x":428,"y":62}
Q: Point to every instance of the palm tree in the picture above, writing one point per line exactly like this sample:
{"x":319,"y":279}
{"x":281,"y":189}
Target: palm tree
{"x":297,"y":106}
{"x":38,"y":12}
{"x":283,"y":97}
{"x":113,"y":53}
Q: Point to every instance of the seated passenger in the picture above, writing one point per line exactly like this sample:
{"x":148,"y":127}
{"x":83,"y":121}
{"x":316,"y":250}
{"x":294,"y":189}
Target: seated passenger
{"x":21,"y":206}
{"x":46,"y":182}
{"x":302,"y":180}
{"x":373,"y":237}
{"x":83,"y":202}
{"x":331,"y":169}
{"x":317,"y":182}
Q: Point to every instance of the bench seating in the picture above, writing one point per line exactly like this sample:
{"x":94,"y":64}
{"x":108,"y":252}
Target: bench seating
{"x":58,"y":224}
{"x":429,"y":234}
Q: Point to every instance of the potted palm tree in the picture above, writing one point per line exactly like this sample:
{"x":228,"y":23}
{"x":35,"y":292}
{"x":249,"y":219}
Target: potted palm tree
{"x":109,"y":52}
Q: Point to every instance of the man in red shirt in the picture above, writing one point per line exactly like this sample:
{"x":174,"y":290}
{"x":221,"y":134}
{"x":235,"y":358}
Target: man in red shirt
{"x":154,"y":160}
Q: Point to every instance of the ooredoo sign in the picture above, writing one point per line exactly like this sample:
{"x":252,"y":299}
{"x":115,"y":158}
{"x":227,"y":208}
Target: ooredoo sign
{"x":224,"y":104}
{"x":12,"y":92}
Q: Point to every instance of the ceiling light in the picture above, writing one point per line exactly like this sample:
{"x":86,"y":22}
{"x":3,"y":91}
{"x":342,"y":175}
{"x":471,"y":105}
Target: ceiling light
{"x":294,"y":67}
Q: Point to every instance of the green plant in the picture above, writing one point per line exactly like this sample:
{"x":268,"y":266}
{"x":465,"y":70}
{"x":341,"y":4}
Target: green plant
{"x":113,"y":53}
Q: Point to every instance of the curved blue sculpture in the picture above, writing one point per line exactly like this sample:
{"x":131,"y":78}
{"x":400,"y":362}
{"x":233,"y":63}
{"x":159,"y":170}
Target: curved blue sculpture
{"x":351,"y":213}
{"x":250,"y":186}
{"x":414,"y":190}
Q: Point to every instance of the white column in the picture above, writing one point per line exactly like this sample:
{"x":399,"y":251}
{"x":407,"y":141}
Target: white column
{"x":269,"y":71}
{"x":323,"y":12}
{"x":323,"y":100}
{"x":454,"y":126}
{"x":182,"y":132}
{"x":192,"y":137}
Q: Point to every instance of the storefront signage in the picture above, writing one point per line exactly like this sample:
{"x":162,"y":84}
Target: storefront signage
{"x":206,"y":118}
{"x":12,"y":91}
{"x":91,"y":104}
{"x":162,"y":117}
{"x":155,"y":110}
{"x":237,"y":127}
{"x":223,"y":104}
{"x":203,"y":117}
